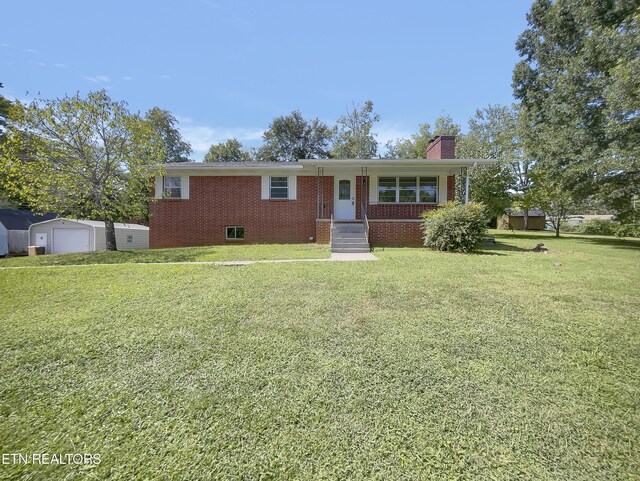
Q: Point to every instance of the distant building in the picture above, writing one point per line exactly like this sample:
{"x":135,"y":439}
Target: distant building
{"x":514,"y":220}
{"x":14,"y":229}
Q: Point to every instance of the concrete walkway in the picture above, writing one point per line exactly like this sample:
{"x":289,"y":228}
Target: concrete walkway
{"x":335,"y":257}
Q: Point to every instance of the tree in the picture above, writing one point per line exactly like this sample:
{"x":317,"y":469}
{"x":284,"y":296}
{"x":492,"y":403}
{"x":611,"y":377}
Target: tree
{"x":6,"y":201}
{"x":493,"y":134}
{"x":549,"y":193}
{"x":412,"y":148}
{"x":416,"y":146}
{"x":4,"y":112}
{"x":229,"y":151}
{"x":580,"y":92}
{"x":176,"y":148}
{"x":80,"y":157}
{"x":354,"y":138}
{"x":292,"y":137}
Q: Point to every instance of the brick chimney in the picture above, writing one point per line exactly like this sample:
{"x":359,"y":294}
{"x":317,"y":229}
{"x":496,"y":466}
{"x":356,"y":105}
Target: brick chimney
{"x":442,"y":147}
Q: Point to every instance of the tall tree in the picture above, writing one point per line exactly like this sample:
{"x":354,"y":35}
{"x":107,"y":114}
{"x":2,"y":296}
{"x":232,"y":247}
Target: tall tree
{"x":415,"y":147}
{"x":292,"y":137}
{"x":354,"y":138}
{"x":492,"y":135}
{"x":80,"y":157}
{"x":549,"y":193}
{"x":6,"y":201}
{"x":176,"y":148}
{"x":580,"y":93}
{"x":4,"y":111}
{"x":229,"y":151}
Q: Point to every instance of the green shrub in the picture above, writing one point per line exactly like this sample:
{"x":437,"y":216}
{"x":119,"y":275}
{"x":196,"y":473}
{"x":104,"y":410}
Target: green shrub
{"x":455,"y":227}
{"x":628,"y":230}
{"x":597,"y":226}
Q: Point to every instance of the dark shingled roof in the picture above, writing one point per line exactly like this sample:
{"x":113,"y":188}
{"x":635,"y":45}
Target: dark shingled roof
{"x":21,"y":219}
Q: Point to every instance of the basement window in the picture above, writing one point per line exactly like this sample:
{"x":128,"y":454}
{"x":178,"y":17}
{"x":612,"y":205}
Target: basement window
{"x":234,"y":233}
{"x":172,"y":187}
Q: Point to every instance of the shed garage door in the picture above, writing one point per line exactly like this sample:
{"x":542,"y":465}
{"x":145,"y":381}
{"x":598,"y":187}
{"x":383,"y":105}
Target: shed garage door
{"x":70,"y":240}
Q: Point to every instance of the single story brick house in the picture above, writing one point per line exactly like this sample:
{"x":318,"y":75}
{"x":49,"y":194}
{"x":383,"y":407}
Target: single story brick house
{"x":345,"y":202}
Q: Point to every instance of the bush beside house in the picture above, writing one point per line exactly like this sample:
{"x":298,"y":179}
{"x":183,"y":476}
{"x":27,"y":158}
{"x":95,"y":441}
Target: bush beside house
{"x":455,"y":227}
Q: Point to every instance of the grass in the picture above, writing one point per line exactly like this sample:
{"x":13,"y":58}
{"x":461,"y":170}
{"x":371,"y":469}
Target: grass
{"x":249,"y":252}
{"x":505,"y":364}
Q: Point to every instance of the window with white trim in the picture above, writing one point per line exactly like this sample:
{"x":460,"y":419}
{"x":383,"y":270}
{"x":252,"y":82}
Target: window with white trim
{"x":172,"y":187}
{"x":278,"y":187}
{"x":234,"y":232}
{"x":408,"y":190}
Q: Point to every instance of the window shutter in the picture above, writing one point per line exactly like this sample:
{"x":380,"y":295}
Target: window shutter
{"x":293,"y":187}
{"x":159,"y":180}
{"x":373,"y":189}
{"x":184,"y":187}
{"x":264,"y":195}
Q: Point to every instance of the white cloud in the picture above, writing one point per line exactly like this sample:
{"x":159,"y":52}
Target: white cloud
{"x":201,"y":137}
{"x":165,"y":76}
{"x":391,"y":131}
{"x":127,"y":77}
{"x":30,"y":50}
{"x":97,"y":79}
{"x":42,"y":64}
{"x":59,"y":65}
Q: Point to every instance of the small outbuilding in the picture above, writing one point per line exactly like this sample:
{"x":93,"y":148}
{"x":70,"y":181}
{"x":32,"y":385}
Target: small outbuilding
{"x":14,"y":229}
{"x":514,"y":220}
{"x":60,"y":236}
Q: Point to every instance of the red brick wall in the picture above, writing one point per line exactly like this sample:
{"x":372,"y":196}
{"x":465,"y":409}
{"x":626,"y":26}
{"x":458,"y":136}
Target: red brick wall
{"x":326,"y":208}
{"x":322,"y":231}
{"x":443,"y":147}
{"x":451,"y":187}
{"x":215,"y":202}
{"x":395,"y":233}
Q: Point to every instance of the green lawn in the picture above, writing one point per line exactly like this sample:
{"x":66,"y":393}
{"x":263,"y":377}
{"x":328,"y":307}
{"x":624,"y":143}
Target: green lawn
{"x":505,"y":364}
{"x":251,"y":252}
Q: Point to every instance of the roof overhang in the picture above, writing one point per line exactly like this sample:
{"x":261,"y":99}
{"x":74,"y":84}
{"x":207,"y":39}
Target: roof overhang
{"x":310,"y":166}
{"x":215,"y":167}
{"x":441,"y":163}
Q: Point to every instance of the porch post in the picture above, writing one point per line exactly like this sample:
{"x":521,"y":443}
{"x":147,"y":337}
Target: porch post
{"x":466,"y":186}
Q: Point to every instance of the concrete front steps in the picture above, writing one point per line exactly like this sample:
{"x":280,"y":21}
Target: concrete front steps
{"x":349,"y":238}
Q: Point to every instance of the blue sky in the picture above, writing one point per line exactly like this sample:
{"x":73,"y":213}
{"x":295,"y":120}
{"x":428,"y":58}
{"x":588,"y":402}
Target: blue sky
{"x":226,"y":68}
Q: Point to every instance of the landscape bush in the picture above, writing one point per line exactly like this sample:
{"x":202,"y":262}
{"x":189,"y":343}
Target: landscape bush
{"x":627,"y":230}
{"x":598,"y":227}
{"x":455,"y":227}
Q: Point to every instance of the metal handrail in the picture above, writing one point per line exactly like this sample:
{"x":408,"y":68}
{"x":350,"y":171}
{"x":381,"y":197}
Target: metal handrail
{"x":365,"y":222}
{"x":331,"y":232}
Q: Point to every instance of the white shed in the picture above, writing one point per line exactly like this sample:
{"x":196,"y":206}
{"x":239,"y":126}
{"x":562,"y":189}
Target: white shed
{"x":59,"y":236}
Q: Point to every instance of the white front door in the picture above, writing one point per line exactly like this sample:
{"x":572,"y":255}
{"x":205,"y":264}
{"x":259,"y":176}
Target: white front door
{"x":344,"y":197}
